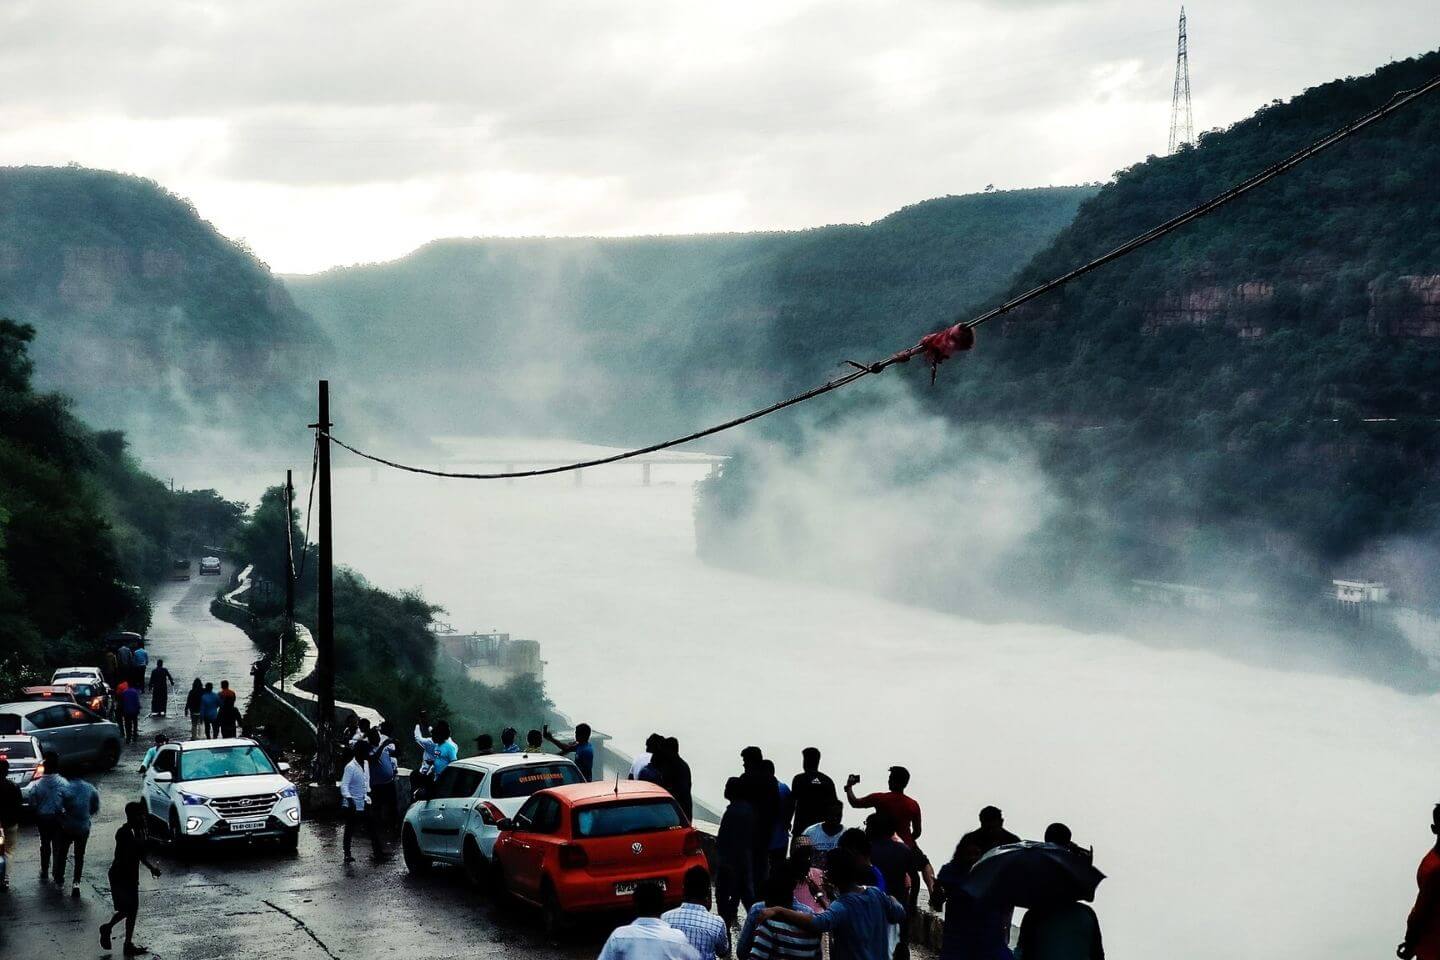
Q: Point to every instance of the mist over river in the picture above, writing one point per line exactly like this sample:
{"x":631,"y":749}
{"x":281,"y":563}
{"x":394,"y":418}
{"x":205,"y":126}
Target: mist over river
{"x":1238,"y":811}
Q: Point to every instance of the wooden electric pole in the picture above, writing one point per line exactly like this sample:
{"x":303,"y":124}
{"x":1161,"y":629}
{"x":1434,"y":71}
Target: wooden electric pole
{"x":324,"y":596}
{"x":287,"y":639}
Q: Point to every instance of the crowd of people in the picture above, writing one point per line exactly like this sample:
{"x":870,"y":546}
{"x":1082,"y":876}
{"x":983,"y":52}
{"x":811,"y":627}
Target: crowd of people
{"x":127,"y":672}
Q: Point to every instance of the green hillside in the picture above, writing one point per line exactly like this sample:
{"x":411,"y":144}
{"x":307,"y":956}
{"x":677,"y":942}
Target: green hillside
{"x":148,"y":317}
{"x":629,"y":337}
{"x":1254,"y":398}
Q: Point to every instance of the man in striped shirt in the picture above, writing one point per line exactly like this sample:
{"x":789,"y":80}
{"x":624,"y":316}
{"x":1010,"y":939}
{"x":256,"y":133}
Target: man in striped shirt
{"x":706,"y":932}
{"x":775,"y":937}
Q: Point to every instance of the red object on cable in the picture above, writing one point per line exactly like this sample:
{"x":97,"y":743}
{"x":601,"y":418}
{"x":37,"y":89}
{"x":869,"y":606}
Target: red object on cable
{"x":941,"y":345}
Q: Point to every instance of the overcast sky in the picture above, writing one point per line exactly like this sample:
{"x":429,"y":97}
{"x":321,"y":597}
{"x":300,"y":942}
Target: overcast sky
{"x":328,"y":132}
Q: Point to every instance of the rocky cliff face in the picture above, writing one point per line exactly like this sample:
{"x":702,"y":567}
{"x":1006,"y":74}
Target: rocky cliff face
{"x":1407,"y":307}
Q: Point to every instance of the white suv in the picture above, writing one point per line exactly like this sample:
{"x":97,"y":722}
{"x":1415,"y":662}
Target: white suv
{"x":456,"y":821}
{"x":220,"y":790}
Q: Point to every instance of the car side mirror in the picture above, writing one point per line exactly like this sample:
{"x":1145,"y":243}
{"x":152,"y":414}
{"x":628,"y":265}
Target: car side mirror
{"x":284,"y":767}
{"x":504,"y":823}
{"x":421,"y":795}
{"x":163,"y":776}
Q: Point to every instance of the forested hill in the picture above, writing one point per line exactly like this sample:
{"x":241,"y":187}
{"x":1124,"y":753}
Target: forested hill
{"x":624,"y":338}
{"x":148,"y":317}
{"x":1266,"y":380}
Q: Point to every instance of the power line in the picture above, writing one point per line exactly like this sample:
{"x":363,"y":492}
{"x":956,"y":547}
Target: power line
{"x":942,"y":344}
{"x":309,"y":500}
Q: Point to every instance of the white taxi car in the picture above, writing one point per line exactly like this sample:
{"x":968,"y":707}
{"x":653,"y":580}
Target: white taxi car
{"x":456,"y":821}
{"x":220,"y":790}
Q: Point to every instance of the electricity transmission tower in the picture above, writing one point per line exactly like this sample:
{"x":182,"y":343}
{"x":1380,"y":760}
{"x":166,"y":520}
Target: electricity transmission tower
{"x":1182,"y":123}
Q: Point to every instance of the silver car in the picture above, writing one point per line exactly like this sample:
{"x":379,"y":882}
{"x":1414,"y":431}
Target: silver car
{"x":22,"y":751}
{"x":79,"y":735}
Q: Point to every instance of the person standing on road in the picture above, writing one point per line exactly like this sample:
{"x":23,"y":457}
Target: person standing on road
{"x":160,"y":683}
{"x":780,"y":830}
{"x":10,"y":805}
{"x":678,"y":779}
{"x":225,"y":692}
{"x":484,"y":745}
{"x":734,"y":852}
{"x":904,"y":813}
{"x":898,"y":864}
{"x":381,"y":759}
{"x":141,"y":660}
{"x":824,"y":836}
{"x":125,"y":878}
{"x":507,"y":741}
{"x":81,"y":802}
{"x":125,"y":663}
{"x":149,"y":758}
{"x":643,"y":758}
{"x":858,"y":919}
{"x":354,"y":785}
{"x":229,"y":717}
{"x":648,"y":937}
{"x":192,"y":708}
{"x":210,"y":710}
{"x":117,"y":704}
{"x":130,"y":713}
{"x":1422,"y":929}
{"x":439,"y":750}
{"x":47,"y":802}
{"x":990,"y":834}
{"x":771,"y":937}
{"x":534,"y":743}
{"x":812,"y":792}
{"x":762,"y":788}
{"x":707,"y":933}
{"x":581,"y":746}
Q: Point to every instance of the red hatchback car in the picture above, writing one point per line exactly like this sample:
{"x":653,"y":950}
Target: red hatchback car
{"x":585,"y":847}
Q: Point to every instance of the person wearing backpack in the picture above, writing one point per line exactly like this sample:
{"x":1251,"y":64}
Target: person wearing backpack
{"x":382,"y":780}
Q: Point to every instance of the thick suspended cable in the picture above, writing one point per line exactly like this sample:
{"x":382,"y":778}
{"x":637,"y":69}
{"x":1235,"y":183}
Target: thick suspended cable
{"x":941,"y":344}
{"x":309,"y":500}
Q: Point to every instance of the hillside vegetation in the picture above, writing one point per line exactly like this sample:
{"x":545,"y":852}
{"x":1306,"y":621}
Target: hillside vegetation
{"x":83,"y":532}
{"x":149,"y":318}
{"x":624,"y":338}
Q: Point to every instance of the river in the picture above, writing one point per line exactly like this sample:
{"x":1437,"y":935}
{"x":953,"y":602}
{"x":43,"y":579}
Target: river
{"x":1239,"y":811}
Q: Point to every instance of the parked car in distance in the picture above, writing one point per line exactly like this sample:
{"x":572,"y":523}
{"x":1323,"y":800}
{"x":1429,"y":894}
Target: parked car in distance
{"x":180,"y":569}
{"x":220,"y":791}
{"x":586,"y":846}
{"x":54,"y":693}
{"x":458,"y":819}
{"x":209,"y":566}
{"x":78,"y":675}
{"x":88,"y":685}
{"x":79,"y":735}
{"x":23,"y":752}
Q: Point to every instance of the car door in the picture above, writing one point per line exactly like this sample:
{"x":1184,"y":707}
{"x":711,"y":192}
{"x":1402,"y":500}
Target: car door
{"x":430,"y":820}
{"x":537,"y":825}
{"x":50,"y":728}
{"x":80,"y":735}
{"x":454,"y":808}
{"x":156,"y":789}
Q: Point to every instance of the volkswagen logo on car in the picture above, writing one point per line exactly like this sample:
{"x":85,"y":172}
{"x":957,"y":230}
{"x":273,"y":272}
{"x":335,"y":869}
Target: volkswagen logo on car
{"x":637,"y":848}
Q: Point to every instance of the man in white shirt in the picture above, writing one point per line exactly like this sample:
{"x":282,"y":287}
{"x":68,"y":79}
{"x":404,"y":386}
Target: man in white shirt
{"x":649,"y":937}
{"x":642,"y":760}
{"x":354,"y":787}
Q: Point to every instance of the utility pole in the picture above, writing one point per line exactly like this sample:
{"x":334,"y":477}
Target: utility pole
{"x":1182,"y":122}
{"x":288,"y":637}
{"x":324,"y":596}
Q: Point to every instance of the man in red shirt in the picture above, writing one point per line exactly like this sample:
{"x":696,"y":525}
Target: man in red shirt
{"x":902,"y":810}
{"x":1422,"y":930}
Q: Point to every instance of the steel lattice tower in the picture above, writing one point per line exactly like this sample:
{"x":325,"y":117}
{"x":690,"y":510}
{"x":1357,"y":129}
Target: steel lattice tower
{"x":1182,"y":122}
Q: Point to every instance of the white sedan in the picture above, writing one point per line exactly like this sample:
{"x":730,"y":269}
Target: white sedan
{"x":219,"y":791}
{"x":456,"y":822}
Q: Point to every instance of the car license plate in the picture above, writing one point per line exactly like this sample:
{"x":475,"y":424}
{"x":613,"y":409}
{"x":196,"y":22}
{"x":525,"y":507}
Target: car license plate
{"x":17,"y":777}
{"x":627,"y":889}
{"x":243,"y":825}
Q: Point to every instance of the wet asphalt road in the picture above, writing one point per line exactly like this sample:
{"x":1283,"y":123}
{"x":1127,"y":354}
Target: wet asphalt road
{"x":254,"y":903}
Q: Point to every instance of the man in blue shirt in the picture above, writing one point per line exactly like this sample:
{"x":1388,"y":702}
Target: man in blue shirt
{"x":141,"y":660}
{"x":581,"y":746}
{"x":858,"y":919}
{"x":47,"y":800}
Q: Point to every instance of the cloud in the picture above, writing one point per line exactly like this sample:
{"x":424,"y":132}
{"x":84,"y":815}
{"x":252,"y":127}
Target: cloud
{"x":665,"y":117}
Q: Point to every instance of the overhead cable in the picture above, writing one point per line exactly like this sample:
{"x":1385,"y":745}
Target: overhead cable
{"x":940,"y":345}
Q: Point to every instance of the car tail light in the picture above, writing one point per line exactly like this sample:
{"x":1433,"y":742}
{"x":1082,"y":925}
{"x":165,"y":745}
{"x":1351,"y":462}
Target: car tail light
{"x":692,"y":843}
{"x":489,"y":813}
{"x":573,"y":856}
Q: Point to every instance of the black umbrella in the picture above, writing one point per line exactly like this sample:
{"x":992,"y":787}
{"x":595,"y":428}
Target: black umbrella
{"x":1031,"y":874}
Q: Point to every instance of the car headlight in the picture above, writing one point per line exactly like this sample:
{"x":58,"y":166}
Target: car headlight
{"x":293,"y":814}
{"x":192,"y":824}
{"x":288,"y":792}
{"x":191,"y":800}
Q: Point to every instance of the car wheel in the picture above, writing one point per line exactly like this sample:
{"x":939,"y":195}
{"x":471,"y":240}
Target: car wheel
{"x":110,"y":755}
{"x":477,"y":870}
{"x":556,"y":921}
{"x":290,"y":843}
{"x":415,"y":861}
